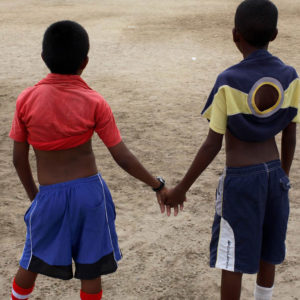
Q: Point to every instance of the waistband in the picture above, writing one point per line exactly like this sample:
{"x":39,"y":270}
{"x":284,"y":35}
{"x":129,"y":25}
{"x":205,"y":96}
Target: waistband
{"x":259,"y":168}
{"x":68,"y":184}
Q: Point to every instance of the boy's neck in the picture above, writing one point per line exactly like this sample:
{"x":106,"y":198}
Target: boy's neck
{"x":69,"y":74}
{"x":248,"y":50}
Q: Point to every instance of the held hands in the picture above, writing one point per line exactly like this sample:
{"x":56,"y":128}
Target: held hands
{"x":171,"y":198}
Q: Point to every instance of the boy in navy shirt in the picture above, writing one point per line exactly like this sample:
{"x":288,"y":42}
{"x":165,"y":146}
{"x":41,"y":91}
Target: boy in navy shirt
{"x":250,"y":103}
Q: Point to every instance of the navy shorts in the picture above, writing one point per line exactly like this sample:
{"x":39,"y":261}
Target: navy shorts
{"x":72,"y":220}
{"x":250,"y":224}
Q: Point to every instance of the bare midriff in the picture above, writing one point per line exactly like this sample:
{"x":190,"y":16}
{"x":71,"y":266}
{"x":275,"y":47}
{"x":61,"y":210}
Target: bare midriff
{"x":65,"y":165}
{"x":240,"y":153}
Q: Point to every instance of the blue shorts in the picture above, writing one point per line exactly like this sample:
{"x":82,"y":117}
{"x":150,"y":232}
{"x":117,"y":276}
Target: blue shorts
{"x":252,"y":210}
{"x":72,"y":220}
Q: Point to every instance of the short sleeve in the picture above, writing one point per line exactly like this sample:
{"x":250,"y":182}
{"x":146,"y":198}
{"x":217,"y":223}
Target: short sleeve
{"x":106,"y":126}
{"x":18,"y":130}
{"x":215,"y":110}
{"x":296,"y":100}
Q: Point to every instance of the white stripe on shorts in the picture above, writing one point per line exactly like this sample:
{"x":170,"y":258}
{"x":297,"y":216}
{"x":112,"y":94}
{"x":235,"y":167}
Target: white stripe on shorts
{"x":226,"y":247}
{"x":31,"y":236}
{"x":107,"y":220}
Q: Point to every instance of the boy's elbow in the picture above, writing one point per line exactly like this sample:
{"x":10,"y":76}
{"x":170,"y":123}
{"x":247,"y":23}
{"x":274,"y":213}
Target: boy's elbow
{"x":122,"y":163}
{"x":18,"y":162}
{"x":292,"y":142}
{"x":122,"y":156}
{"x":289,"y":136}
{"x":15,"y":160}
{"x":213,"y":142}
{"x":20,"y":154}
{"x":123,"y":160}
{"x":213,"y":146}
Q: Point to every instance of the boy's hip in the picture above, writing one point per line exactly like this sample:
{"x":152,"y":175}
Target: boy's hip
{"x":71,"y":200}
{"x":265,"y":167}
{"x":70,"y":184}
{"x":252,"y":188}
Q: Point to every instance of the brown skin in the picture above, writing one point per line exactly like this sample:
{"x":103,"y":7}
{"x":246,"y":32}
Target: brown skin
{"x":64,"y":165}
{"x":238,"y":154}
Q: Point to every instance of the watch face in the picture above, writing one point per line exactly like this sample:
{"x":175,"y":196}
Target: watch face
{"x":162,"y":184}
{"x":161,"y":179}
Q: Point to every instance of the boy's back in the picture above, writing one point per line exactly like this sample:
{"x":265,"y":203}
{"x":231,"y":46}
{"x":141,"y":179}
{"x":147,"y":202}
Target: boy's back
{"x":251,"y":102}
{"x":61,"y":112}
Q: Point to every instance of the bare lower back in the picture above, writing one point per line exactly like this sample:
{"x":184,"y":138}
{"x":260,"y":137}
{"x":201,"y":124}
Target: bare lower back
{"x":65,"y":165}
{"x":240,"y":153}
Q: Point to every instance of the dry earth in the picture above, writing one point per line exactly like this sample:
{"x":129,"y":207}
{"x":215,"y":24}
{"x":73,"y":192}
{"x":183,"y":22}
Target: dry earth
{"x":155,"y":62}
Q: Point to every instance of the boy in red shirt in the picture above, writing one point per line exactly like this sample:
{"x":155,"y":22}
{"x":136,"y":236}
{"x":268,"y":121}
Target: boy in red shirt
{"x":72,"y":213}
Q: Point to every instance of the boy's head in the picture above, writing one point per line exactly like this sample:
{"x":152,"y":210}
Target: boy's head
{"x":256,"y":22}
{"x":65,"y":47}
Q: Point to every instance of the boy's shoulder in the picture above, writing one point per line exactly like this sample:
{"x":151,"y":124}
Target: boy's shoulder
{"x":45,"y":87}
{"x":25,"y":94}
{"x":243,"y":75}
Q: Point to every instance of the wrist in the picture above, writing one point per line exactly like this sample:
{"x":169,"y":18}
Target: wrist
{"x":181,"y":187}
{"x":160,"y":184}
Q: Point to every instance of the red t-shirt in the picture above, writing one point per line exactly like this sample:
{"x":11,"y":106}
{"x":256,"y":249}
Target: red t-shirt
{"x":62,"y":112}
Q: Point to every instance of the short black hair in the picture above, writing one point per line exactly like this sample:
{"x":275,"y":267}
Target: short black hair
{"x":256,"y":21}
{"x":65,"y":47}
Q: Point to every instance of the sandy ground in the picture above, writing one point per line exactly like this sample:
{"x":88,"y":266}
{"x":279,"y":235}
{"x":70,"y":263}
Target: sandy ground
{"x":155,"y":62}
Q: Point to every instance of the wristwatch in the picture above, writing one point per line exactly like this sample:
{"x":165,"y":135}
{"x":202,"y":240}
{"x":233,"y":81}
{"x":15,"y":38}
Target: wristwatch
{"x":162,"y":184}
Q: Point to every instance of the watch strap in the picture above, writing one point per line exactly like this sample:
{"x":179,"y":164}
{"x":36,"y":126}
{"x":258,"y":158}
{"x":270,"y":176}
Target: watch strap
{"x":161,"y":186}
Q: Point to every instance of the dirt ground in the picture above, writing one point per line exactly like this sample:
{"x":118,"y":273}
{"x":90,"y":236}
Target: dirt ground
{"x":155,"y":63}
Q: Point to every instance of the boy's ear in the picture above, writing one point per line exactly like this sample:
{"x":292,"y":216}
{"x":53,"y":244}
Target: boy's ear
{"x":235,"y":35}
{"x":42,"y":56}
{"x":84,"y":63}
{"x":274,"y":35}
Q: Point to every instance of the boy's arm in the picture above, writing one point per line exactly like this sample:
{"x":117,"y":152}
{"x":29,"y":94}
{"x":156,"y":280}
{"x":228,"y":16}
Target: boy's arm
{"x":129,"y":163}
{"x":288,"y":145}
{"x":21,"y":163}
{"x":207,"y":152}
